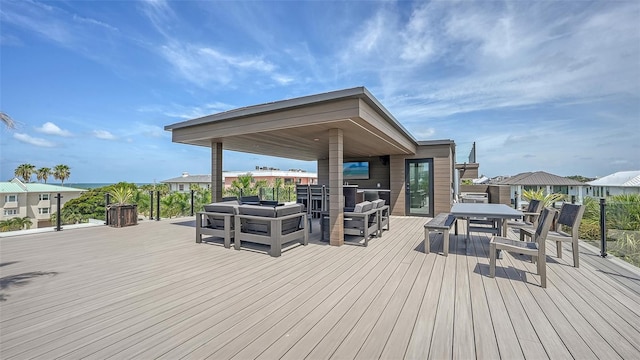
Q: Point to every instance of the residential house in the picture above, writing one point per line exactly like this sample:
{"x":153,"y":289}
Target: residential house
{"x":549,"y":183}
{"x":289,"y":177}
{"x":622,"y":182}
{"x":183,"y":183}
{"x":34,"y":200}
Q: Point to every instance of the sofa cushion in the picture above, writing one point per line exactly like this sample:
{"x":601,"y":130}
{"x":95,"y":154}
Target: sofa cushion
{"x":289,"y":209}
{"x":257,"y":226}
{"x":290,"y":225}
{"x":251,"y":199}
{"x":377,"y":204}
{"x":256,"y":210}
{"x":217,"y":222}
{"x":229,"y":207}
{"x":363,"y":207}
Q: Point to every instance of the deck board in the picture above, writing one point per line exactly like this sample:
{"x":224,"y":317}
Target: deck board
{"x":149,"y":291}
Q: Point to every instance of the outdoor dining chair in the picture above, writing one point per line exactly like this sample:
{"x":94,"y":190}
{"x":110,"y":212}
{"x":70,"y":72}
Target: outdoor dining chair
{"x":570,"y":216}
{"x":535,"y":248}
{"x":530,"y":216}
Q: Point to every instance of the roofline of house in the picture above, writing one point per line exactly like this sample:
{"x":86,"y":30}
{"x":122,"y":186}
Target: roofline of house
{"x":357,"y":92}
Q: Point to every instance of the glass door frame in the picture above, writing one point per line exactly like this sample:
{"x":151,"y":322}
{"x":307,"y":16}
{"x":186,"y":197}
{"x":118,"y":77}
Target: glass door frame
{"x":407,"y":167}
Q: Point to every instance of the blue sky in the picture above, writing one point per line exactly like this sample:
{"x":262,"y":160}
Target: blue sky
{"x":538,"y":85}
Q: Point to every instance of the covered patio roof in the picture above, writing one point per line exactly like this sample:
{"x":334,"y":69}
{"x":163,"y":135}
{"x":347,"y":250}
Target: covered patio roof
{"x":299,"y":128}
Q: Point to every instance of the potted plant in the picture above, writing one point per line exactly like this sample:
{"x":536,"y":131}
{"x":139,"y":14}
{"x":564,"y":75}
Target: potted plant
{"x":121,"y":211}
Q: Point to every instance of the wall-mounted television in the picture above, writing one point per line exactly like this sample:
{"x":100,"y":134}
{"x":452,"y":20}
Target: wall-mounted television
{"x":355,"y":170}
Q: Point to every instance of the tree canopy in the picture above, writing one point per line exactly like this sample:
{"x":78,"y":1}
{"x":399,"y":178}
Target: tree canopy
{"x":25,"y":171}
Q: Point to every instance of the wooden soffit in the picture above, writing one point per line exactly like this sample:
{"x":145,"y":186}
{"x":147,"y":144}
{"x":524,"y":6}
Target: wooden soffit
{"x":299,"y":128}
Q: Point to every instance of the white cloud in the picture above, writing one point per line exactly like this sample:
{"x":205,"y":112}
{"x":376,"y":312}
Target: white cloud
{"x":423,"y":133}
{"x":282,"y":79}
{"x":152,"y":130}
{"x":93,"y":22}
{"x":104,"y":135}
{"x":33,"y":141}
{"x":54,"y":23}
{"x":202,"y":65}
{"x":187,"y":112}
{"x":463,"y":57}
{"x":52,"y":129}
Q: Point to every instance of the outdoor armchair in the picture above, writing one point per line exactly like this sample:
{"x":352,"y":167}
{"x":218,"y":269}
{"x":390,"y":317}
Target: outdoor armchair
{"x":217,"y":220}
{"x":535,"y":248}
{"x":362,"y":221}
{"x":273,"y":226}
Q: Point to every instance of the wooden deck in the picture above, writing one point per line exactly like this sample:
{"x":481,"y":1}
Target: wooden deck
{"x":150,"y":291}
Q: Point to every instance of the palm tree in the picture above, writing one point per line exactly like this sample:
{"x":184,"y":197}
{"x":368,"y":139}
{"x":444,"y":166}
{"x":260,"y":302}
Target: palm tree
{"x":61,"y":172}
{"x":43,"y":174}
{"x":15,"y":223}
{"x":25,"y":171}
{"x":24,"y":222}
{"x":278,"y":184}
{"x":242,"y":185}
{"x":7,"y":120}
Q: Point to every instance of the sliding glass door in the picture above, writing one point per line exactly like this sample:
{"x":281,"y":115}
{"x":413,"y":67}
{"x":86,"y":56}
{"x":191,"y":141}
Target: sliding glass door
{"x":419,"y":187}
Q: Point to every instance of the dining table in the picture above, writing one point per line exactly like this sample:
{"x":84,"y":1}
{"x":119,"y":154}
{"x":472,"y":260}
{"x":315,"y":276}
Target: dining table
{"x":498,"y":214}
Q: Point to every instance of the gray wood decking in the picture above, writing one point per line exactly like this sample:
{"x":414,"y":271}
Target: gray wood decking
{"x":150,"y":291}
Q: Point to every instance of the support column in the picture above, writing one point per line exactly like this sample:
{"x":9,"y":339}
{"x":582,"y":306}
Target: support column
{"x":580,"y":197}
{"x":336,"y":198}
{"x":216,"y":172}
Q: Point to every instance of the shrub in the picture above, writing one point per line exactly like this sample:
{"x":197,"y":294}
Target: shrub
{"x":547,"y":200}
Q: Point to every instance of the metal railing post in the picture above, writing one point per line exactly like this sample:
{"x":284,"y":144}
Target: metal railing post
{"x":192,"y":193}
{"x":151,"y":205}
{"x":603,"y":228}
{"x":158,"y":205}
{"x":107,"y":201}
{"x":58,"y":227}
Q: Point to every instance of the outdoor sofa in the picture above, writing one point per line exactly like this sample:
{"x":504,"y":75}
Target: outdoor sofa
{"x":269,"y":225}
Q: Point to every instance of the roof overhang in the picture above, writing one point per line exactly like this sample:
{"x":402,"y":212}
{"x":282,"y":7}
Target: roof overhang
{"x":299,"y":128}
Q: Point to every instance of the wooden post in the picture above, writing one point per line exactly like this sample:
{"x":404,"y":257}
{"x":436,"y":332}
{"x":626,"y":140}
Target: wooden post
{"x":336,"y":200}
{"x":216,"y":172}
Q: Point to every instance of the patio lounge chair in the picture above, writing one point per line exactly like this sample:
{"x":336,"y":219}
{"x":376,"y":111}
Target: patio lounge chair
{"x":217,"y":220}
{"x":535,"y":248}
{"x":273,"y":226}
{"x":362,"y":221}
{"x":571,"y":216}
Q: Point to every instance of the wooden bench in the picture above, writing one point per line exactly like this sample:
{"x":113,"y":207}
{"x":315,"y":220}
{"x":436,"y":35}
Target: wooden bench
{"x":441,"y":223}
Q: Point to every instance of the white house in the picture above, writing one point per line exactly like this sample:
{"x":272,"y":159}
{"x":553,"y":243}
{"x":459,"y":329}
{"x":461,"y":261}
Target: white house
{"x":549,"y":183}
{"x":34,"y":200}
{"x":289,"y":177}
{"x":622,"y":182}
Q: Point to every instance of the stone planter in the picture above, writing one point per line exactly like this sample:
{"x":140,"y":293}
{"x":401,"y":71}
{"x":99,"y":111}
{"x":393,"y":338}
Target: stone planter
{"x":123,"y":215}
